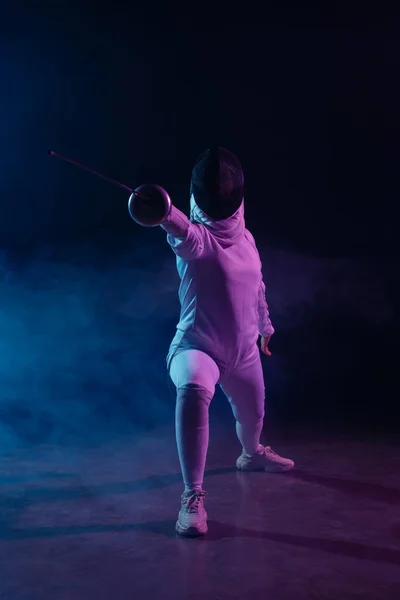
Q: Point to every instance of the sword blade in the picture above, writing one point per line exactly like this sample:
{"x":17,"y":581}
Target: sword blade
{"x":77,"y":164}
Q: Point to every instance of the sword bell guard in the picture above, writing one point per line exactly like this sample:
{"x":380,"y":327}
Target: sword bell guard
{"x":151,"y":207}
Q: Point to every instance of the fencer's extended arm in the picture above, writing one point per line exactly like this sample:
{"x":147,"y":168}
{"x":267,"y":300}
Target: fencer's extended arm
{"x":184,"y":237}
{"x":264,"y":322}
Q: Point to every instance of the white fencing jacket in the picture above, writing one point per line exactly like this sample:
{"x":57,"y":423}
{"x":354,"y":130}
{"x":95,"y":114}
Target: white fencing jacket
{"x":222,"y":293}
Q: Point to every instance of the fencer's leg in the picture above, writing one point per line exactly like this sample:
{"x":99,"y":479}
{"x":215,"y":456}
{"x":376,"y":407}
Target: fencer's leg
{"x":245,"y":390}
{"x":195,"y":375}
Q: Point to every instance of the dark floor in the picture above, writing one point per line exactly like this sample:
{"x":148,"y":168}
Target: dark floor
{"x":98,"y":523}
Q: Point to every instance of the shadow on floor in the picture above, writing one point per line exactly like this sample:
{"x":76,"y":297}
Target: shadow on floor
{"x":364,"y":489}
{"x":217,"y":531}
{"x":30,"y":496}
{"x":37,"y":495}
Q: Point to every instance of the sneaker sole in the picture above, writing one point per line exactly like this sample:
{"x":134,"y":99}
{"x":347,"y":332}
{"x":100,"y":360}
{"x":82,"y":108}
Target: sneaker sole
{"x":272,"y":469}
{"x":279,"y":469}
{"x":190,"y":531}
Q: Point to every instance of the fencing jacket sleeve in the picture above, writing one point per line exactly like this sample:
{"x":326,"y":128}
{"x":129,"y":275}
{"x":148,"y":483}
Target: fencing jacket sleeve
{"x":265,"y":327}
{"x":264,"y":323}
{"x":184,"y":237}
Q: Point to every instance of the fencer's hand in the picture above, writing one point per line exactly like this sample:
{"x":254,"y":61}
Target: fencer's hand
{"x":264,"y":345}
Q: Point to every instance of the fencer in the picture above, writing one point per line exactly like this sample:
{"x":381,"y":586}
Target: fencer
{"x":223,"y":312}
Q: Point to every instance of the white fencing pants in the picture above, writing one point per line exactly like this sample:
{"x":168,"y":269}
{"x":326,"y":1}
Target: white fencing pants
{"x":195,"y":376}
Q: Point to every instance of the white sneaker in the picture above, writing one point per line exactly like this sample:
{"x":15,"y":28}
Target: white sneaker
{"x":265,"y":459}
{"x":192,"y":518}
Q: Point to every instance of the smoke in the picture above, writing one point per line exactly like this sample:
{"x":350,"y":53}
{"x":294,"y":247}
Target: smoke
{"x":84,"y":335}
{"x":352,"y":287}
{"x":83,"y":345}
{"x":335,"y":335}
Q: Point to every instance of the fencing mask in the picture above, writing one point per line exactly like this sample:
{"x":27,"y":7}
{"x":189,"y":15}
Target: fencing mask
{"x":217,"y":183}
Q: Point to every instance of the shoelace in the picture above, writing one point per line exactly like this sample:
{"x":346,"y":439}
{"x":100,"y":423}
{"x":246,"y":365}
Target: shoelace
{"x":268,"y":450}
{"x":193,"y":502}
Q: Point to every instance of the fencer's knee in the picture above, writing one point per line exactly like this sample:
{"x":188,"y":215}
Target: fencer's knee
{"x":193,"y":393}
{"x":192,"y":402}
{"x":250,"y":417}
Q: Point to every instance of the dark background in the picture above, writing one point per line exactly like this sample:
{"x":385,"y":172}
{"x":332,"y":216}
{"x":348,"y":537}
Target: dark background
{"x":307,"y":97}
